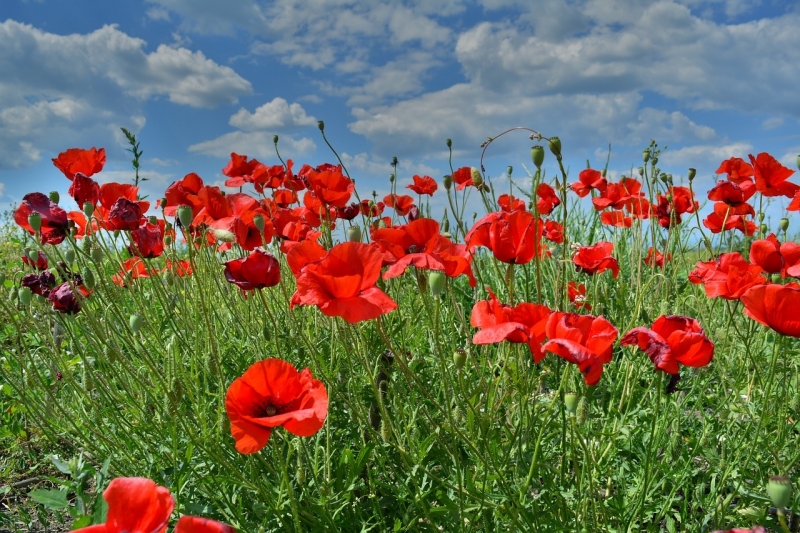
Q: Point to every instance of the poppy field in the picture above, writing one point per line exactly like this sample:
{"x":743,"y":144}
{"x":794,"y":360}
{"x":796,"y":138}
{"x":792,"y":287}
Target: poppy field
{"x":289,"y":353}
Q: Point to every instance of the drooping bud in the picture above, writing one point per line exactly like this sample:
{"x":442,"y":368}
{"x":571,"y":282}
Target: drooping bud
{"x":25,"y":295}
{"x":537,"y":155}
{"x":54,"y":197}
{"x":555,"y":146}
{"x":88,"y":209}
{"x":460,"y":358}
{"x":784,"y":224}
{"x":450,"y":145}
{"x":571,"y":403}
{"x":692,"y":173}
{"x":646,"y":155}
{"x":185,"y":216}
{"x":136,"y":321}
{"x":88,"y":278}
{"x":447,"y":180}
{"x":779,"y":489}
{"x":436,"y":282}
{"x":258,"y":221}
{"x":35,"y":221}
{"x":582,"y":412}
{"x":354,"y":233}
{"x":69,"y":256}
{"x":321,"y":125}
{"x":97,"y":254}
{"x":13,"y":294}
{"x":477,"y":177}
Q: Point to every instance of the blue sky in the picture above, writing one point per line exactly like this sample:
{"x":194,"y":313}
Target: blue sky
{"x":197,"y":79}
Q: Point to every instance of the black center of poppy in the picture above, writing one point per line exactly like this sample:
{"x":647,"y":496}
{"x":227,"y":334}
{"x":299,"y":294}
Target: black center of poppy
{"x":266,"y":409}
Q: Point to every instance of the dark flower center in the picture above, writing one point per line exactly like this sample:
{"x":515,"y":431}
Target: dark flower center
{"x":266,"y":409}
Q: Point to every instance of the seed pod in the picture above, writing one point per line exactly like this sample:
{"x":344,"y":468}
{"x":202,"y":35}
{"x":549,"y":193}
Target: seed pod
{"x":646,"y":155}
{"x":692,"y":173}
{"x":784,"y":224}
{"x":35,"y":221}
{"x":764,"y":228}
{"x":354,"y":233}
{"x":641,"y":171}
{"x":460,"y":358}
{"x":571,"y":403}
{"x":447,"y":180}
{"x":537,"y":155}
{"x":321,"y":125}
{"x":97,"y":254}
{"x":54,"y":197}
{"x":88,"y":278}
{"x":450,"y":145}
{"x":69,"y":255}
{"x":779,"y":489}
{"x":436,"y":282}
{"x":391,"y":178}
{"x":88,"y":209}
{"x":555,"y":146}
{"x":761,"y":217}
{"x":185,"y":216}
{"x":24,"y":296}
{"x":582,"y":412}
{"x":136,"y":321}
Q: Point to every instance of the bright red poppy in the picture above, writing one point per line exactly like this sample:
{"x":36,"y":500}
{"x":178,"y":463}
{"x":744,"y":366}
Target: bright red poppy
{"x":39,"y":264}
{"x":737,"y":169}
{"x":672,"y":340}
{"x":284,"y":197}
{"x":258,"y":270}
{"x":274,"y":177}
{"x":231,"y":218}
{"x":588,"y":180}
{"x":732,"y":198}
{"x":678,"y":201}
{"x":553,"y":231}
{"x":132,"y":268}
{"x":728,"y":277}
{"x":510,"y":203}
{"x":78,"y":161}
{"x":179,"y":268}
{"x":462,"y":178}
{"x":714,"y":223}
{"x":656,"y":258}
{"x":548,"y":199}
{"x":596,"y":259}
{"x":577,"y":295}
{"x":271,"y":394}
{"x":84,"y":190}
{"x":584,"y":340}
{"x":330,"y":186}
{"x":148,"y":240}
{"x":184,"y":192}
{"x":618,"y":195}
{"x":343,"y":283}
{"x":402,"y":204}
{"x":423,"y":185}
{"x":512,"y":237}
{"x":241,"y":171}
{"x":195,"y":524}
{"x":524,"y":323}
{"x":54,"y":219}
{"x":771,"y":176}
{"x":774,"y":306}
{"x":616,"y":218}
{"x":372,"y":209}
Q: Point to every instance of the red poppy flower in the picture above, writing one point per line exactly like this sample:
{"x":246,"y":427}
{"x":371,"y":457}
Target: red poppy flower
{"x":728,"y":277}
{"x":577,"y":295}
{"x":284,"y":197}
{"x":270,"y":394}
{"x":423,"y":185}
{"x":241,"y":171}
{"x":509,"y":203}
{"x":583,"y":340}
{"x":148,"y":240}
{"x":618,"y":195}
{"x":732,"y":198}
{"x":616,"y":218}
{"x":258,"y":270}
{"x":179,"y":268}
{"x":737,"y":170}
{"x":184,"y":192}
{"x":656,"y":258}
{"x":766,"y":253}
{"x":589,"y":179}
{"x":554,"y":231}
{"x":54,"y":219}
{"x":39,"y":264}
{"x":512,"y":237}
{"x":771,"y":176}
{"x":40,"y":284}
{"x":84,"y":190}
{"x":678,"y":201}
{"x":596,"y":259}
{"x":78,"y":161}
{"x":64,"y":300}
{"x":672,"y":340}
{"x":125,"y":216}
{"x":131,"y":269}
{"x":640,"y":207}
{"x":343,"y":284}
{"x":714,"y":222}
{"x":195,"y":524}
{"x":292,"y":225}
{"x":774,"y":306}
{"x":462,"y":178}
{"x":498,"y":322}
{"x":331,"y":186}
{"x":232,"y":218}
{"x":402,"y":204}
{"x":372,"y":209}
{"x":548,"y":200}
{"x":273,"y":177}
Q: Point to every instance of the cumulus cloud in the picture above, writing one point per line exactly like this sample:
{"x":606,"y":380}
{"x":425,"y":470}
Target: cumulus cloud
{"x":276,"y":114}
{"x":254,"y":144}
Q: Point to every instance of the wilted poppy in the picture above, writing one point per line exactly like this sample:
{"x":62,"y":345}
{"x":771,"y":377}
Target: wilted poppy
{"x":148,"y":240}
{"x":126,"y":216}
{"x":39,"y":283}
{"x":584,"y":340}
{"x":596,"y":259}
{"x":498,"y":322}
{"x":774,"y":306}
{"x":271,"y":394}
{"x":672,"y":340}
{"x":78,"y":161}
{"x":54,"y":227}
{"x":512,"y":237}
{"x":258,"y":270}
{"x":423,"y":185}
{"x":83,"y":190}
{"x":64,"y":300}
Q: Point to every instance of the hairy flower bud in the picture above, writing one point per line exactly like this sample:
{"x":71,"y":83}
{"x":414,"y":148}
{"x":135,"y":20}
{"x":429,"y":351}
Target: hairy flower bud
{"x":24,"y":295}
{"x":168,"y":240}
{"x":571,"y":403}
{"x":136,"y":321}
{"x":477,"y":177}
{"x":391,"y":178}
{"x":436,"y":282}
{"x":97,"y":254}
{"x":447,"y":180}
{"x":354,"y":234}
{"x":88,"y":278}
{"x":35,"y":221}
{"x":185,"y":216}
{"x":537,"y":155}
{"x":54,"y":197}
{"x":69,"y":256}
{"x":460,"y":358}
{"x":779,"y":489}
{"x":582,"y":412}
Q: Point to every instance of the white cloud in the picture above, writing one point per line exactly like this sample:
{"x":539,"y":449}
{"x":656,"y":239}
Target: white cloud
{"x":255,"y":144}
{"x":277,"y":114}
{"x":2,"y":189}
{"x":772,"y":123}
{"x":705,"y":155}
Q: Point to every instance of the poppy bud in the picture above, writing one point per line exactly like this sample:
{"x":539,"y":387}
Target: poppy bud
{"x":764,"y":228}
{"x":169,"y":277}
{"x":509,"y":170}
{"x":224,"y":235}
{"x":152,"y":220}
{"x":450,"y":145}
{"x":88,"y":209}
{"x":25,"y":295}
{"x":555,"y":146}
{"x":116,"y":234}
{"x":446,"y":225}
{"x":779,"y":489}
{"x":641,"y":171}
{"x":571,"y":403}
{"x":321,"y":125}
{"x":537,"y":155}
{"x":258,"y":221}
{"x":784,"y":224}
{"x":13,"y":294}
{"x":136,"y":321}
{"x":267,"y":333}
{"x":459,"y":359}
{"x":654,"y":161}
{"x":168,"y":240}
{"x":582,"y":412}
{"x":274,"y":139}
{"x":354,"y":234}
{"x":436,"y":282}
{"x":391,"y":178}
{"x":646,"y":155}
{"x":692,"y":173}
{"x":54,"y":197}
{"x":35,"y":221}
{"x":447,"y":180}
{"x":69,"y":255}
{"x":88,"y":278}
{"x":97,"y":254}
{"x":776,"y":277}
{"x":162,"y":203}
{"x":33,"y":255}
{"x":447,"y":235}
{"x":185,"y":216}
{"x":477,"y":178}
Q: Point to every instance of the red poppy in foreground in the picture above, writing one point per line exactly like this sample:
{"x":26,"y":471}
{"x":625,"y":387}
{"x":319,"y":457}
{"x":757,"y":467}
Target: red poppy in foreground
{"x":584,"y":340}
{"x":596,"y":259}
{"x":138,"y":505}
{"x":54,"y":219}
{"x":343,"y":283}
{"x":77,"y":160}
{"x":498,"y":322}
{"x":672,"y":340}
{"x":775,"y":257}
{"x":258,"y":270}
{"x":771,"y":176}
{"x":512,"y":237}
{"x":270,"y":394}
{"x":774,"y":306}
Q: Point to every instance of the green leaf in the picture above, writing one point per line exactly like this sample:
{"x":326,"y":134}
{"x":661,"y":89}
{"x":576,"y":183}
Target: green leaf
{"x":51,"y":498}
{"x":99,"y":510}
{"x":83,"y":521}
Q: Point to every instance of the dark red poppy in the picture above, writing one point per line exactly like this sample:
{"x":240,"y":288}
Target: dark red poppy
{"x":271,"y":394}
{"x":372,"y":209}
{"x":78,"y":161}
{"x":498,"y":322}
{"x":83,"y":190}
{"x":148,"y":240}
{"x":553,"y":231}
{"x":512,"y":237}
{"x":589,"y":179}
{"x":672,"y":340}
{"x":40,"y":284}
{"x":771,"y":176}
{"x":125,"y":216}
{"x":258,"y":270}
{"x":584,"y":340}
{"x":737,"y":170}
{"x":64,"y":300}
{"x":132,"y":268}
{"x":349,"y":212}
{"x":509,"y":203}
{"x":596,"y":259}
{"x":462,"y":178}
{"x":656,"y":258}
{"x":774,"y":306}
{"x":54,"y":219}
{"x":548,"y":200}
{"x":714,"y":223}
{"x":330,"y":186}
{"x":423,"y":185}
{"x":343,"y":284}
{"x":39,"y":264}
{"x":402,"y":204}
{"x":728,"y":277}
{"x":577,"y":295}
{"x":616,"y":219}
{"x":184,"y":192}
